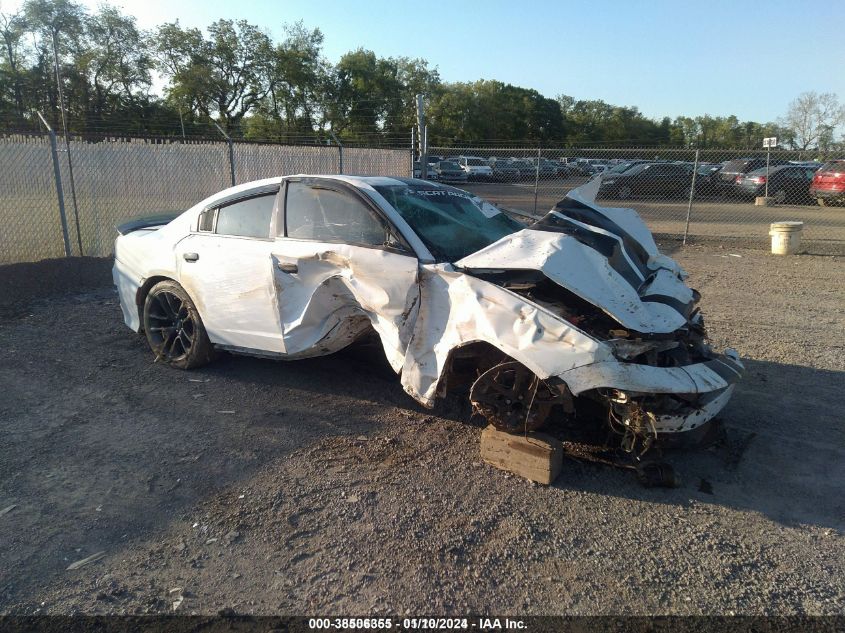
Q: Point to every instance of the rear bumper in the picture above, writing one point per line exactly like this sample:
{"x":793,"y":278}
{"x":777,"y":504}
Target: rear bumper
{"x":750,"y":191}
{"x":827,"y":194}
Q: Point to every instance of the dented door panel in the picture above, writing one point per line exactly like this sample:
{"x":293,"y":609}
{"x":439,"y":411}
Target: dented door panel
{"x":328,"y":294}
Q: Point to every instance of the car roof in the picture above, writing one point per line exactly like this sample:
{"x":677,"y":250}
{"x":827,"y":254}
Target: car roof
{"x":777,"y":168}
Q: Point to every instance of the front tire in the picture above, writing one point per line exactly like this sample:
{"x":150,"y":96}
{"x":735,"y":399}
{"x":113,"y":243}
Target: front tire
{"x":174,"y":330}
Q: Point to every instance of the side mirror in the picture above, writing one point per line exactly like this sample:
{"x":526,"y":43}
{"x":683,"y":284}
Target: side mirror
{"x":391,"y":241}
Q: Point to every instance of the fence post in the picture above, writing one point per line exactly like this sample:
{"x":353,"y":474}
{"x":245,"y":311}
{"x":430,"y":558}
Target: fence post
{"x":231,"y":152}
{"x":537,"y":178}
{"x":57,"y":174}
{"x":339,"y":151}
{"x":691,"y":194}
{"x":67,"y":142}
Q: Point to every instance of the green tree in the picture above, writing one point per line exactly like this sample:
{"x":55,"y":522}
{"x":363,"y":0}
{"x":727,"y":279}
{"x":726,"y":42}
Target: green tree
{"x":222,"y":77}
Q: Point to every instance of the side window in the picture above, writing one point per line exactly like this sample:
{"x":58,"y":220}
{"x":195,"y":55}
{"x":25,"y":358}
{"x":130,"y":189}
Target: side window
{"x":316,"y":213}
{"x":247,"y":218}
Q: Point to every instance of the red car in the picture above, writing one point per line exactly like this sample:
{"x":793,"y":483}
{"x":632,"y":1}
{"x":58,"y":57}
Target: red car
{"x":828,"y":185}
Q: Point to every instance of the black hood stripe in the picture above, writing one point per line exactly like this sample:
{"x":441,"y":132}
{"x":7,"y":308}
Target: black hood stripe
{"x":589,"y":215}
{"x":683,"y":308}
{"x":725,"y":368}
{"x":607,"y":245}
{"x":624,"y":253}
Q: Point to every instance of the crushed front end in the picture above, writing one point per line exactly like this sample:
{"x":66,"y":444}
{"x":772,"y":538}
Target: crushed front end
{"x":599,"y":270}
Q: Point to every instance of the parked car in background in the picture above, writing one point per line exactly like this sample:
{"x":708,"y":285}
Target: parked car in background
{"x":648,"y":179}
{"x":546,"y":169}
{"x":503,"y":170}
{"x":448,"y":171}
{"x":563,"y":170}
{"x":828,"y":186}
{"x":735,"y":170}
{"x":621,"y":168}
{"x":597,"y":170}
{"x":430,"y":173}
{"x":786,"y":183}
{"x":707,"y":179}
{"x":554,"y":168}
{"x":526,"y":169}
{"x":476,"y":167}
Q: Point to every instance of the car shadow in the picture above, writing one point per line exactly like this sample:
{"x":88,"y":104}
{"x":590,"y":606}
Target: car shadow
{"x":129,"y":446}
{"x":781,"y":454}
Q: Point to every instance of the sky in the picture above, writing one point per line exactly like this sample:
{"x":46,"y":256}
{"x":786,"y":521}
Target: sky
{"x":668,"y":58}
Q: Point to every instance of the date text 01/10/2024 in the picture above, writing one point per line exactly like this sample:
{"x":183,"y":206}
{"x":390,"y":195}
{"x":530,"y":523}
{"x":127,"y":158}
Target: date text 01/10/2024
{"x":411,"y":623}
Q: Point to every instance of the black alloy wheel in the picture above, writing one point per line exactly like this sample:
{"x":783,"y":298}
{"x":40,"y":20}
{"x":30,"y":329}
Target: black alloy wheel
{"x":173,"y":327}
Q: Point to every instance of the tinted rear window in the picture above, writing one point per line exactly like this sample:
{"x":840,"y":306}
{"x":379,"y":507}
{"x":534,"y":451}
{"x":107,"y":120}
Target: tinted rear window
{"x":736,"y":165}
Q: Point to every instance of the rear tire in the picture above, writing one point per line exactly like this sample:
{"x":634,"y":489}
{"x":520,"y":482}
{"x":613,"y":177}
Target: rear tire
{"x":780,"y":196}
{"x":174,"y":329}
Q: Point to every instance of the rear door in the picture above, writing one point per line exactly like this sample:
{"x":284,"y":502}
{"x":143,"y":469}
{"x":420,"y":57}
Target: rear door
{"x":225,"y":266}
{"x":340,"y":268}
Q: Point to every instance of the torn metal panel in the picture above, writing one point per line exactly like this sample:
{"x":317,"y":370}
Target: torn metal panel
{"x":457,"y":309}
{"x":697,"y":378}
{"x":329,"y":294}
{"x":583,"y":270}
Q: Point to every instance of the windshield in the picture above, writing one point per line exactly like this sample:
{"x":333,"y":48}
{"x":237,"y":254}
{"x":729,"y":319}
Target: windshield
{"x":450,"y":222}
{"x":476,"y":162}
{"x":447,"y":165}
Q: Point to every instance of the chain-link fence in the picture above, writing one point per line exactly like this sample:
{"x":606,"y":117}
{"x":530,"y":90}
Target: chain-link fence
{"x":705,"y":194}
{"x":118,"y":180}
{"x":713,"y":194}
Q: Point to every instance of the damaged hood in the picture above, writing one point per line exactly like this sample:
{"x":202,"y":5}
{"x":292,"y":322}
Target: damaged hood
{"x":606,"y":256}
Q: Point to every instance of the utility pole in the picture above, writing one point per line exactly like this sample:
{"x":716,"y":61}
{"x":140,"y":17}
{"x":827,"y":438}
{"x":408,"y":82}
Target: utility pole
{"x":67,"y":141}
{"x":422,"y":136}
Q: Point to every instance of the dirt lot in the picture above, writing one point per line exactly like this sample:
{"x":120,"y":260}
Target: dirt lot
{"x":320,"y":487}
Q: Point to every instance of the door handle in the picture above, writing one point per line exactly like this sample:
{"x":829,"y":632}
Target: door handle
{"x":191,"y":257}
{"x":286,"y":267}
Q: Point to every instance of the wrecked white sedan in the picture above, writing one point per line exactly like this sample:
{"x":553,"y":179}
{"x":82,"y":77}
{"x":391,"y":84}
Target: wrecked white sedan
{"x":577,"y":315}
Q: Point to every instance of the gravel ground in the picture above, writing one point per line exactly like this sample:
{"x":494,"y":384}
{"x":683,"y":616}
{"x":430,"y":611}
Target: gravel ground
{"x":319,"y":487}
